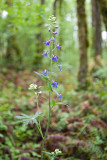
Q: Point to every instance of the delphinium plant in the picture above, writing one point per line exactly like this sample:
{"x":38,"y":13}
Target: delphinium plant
{"x":51,"y":85}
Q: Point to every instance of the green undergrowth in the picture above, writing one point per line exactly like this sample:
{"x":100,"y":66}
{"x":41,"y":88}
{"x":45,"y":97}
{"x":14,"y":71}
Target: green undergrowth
{"x":78,"y":128}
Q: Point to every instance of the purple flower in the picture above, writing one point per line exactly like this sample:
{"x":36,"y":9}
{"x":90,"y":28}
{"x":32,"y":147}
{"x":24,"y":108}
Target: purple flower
{"x":55,"y":33}
{"x":54,"y":58}
{"x":53,"y":39}
{"x":45,"y":72}
{"x":60,"y":67}
{"x":45,"y":54}
{"x":54,"y":84}
{"x":59,"y":96}
{"x":47,"y":42}
{"x":58,"y":47}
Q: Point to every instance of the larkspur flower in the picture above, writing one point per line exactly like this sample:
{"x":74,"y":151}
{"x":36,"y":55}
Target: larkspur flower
{"x":58,"y":47}
{"x":47,"y":42}
{"x":54,"y":84}
{"x":54,"y":58}
{"x":53,"y":39}
{"x":55,"y":33}
{"x":45,"y":72}
{"x":45,"y":54}
{"x":60,"y":67}
{"x":59,"y":96}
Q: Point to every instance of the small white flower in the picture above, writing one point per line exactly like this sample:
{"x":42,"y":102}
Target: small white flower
{"x":57,"y":151}
{"x":4,"y":14}
{"x":32,"y":87}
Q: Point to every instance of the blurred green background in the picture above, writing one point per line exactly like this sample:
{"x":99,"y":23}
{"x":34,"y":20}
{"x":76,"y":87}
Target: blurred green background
{"x":83,"y":121}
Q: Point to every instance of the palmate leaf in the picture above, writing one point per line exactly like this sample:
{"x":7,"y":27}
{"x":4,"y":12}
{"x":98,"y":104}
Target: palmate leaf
{"x":29,"y":118}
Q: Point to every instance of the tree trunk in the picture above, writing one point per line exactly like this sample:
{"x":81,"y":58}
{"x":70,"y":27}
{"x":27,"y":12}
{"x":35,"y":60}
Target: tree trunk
{"x":60,"y":22}
{"x":96,"y":25}
{"x":39,"y":43}
{"x":103,"y":8}
{"x":54,"y":7}
{"x":42,"y":2}
{"x":83,"y":43}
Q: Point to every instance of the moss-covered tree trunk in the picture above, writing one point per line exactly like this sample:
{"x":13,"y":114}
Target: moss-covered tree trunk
{"x":96,"y":25}
{"x":39,"y":43}
{"x":103,"y":8}
{"x":54,"y":7}
{"x":83,"y":44}
{"x":61,"y":17}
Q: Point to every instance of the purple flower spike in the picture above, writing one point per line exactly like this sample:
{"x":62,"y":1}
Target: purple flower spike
{"x":58,"y":47}
{"x":47,"y":42}
{"x":54,"y":84}
{"x":55,"y":33}
{"x":45,"y":72}
{"x":59,"y":96}
{"x":45,"y":54}
{"x":54,"y":58}
{"x":60,"y":67}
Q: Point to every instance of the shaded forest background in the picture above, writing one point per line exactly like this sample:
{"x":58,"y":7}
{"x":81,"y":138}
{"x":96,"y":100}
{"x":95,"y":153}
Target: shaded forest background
{"x":79,"y":128}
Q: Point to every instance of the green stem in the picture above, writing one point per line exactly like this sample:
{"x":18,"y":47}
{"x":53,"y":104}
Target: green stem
{"x":49,"y":113}
{"x":39,"y":126}
{"x":40,"y":131}
{"x":49,"y":116}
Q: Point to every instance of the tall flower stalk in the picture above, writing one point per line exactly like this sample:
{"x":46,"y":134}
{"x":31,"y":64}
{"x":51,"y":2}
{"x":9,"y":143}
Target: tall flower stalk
{"x":51,"y":48}
{"x":53,"y":58}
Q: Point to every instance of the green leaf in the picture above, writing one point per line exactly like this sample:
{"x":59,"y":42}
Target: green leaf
{"x":53,"y":103}
{"x":35,"y":154}
{"x":42,"y":76}
{"x":45,"y":88}
{"x":47,"y":153}
{"x":49,"y":85}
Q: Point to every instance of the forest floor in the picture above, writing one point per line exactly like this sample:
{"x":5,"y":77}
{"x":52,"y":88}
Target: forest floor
{"x":78,"y":129}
